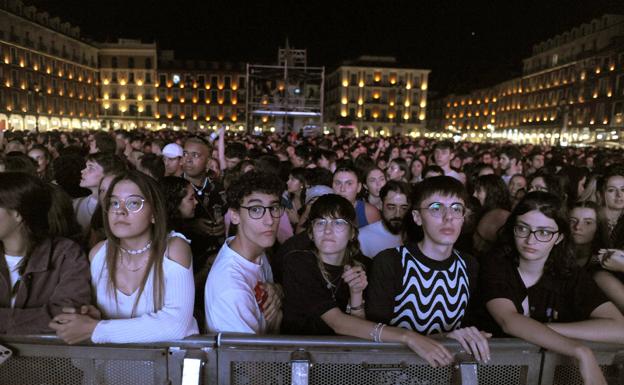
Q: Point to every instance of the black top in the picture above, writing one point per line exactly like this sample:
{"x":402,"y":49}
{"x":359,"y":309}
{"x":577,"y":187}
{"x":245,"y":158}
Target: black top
{"x":307,"y":296}
{"x":562,"y":299}
{"x":211,"y":202}
{"x":299,"y":241}
{"x":410,"y":290}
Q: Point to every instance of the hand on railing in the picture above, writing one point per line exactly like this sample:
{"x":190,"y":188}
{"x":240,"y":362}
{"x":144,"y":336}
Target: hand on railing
{"x":73,"y":327}
{"x":429,"y":349}
{"x":473,"y":341}
{"x":589,"y":368}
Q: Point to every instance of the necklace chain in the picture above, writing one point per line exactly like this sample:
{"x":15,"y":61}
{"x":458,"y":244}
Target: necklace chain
{"x":199,"y":191}
{"x":131,"y":269}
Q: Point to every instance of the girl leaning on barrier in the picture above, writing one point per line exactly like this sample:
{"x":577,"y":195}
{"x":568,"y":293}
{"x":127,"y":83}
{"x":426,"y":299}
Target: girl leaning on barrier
{"x":142,"y":278}
{"x":39,"y":274}
{"x":611,"y":277}
{"x":324,"y":286}
{"x":534,"y":290}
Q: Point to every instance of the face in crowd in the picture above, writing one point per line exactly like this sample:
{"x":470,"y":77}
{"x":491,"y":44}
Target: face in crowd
{"x":375,"y":181}
{"x":395,"y":206}
{"x":441,"y":218}
{"x":258,"y":219}
{"x":583,"y":225}
{"x":347,"y":185}
{"x":535,"y":235}
{"x":195,"y":159}
{"x":129,"y":214}
{"x":614,"y":193}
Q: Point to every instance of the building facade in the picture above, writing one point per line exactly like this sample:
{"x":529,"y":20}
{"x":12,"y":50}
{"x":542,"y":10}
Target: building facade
{"x":196,"y":94}
{"x":127,"y":79}
{"x":376,"y":96}
{"x":48,"y":72}
{"x":571,"y":91}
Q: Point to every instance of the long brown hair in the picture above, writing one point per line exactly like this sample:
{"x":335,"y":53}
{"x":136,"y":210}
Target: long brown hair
{"x":154,"y":198}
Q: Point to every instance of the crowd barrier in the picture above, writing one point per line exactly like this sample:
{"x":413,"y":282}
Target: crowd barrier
{"x":234,"y":359}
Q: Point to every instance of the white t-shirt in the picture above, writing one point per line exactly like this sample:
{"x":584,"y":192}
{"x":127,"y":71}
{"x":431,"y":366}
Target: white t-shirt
{"x":230,"y":302}
{"x":13,"y":262}
{"x":173,"y":321}
{"x":375,"y":238}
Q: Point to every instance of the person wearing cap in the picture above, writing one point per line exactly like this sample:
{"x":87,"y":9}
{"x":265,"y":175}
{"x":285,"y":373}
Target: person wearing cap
{"x":172,"y":157}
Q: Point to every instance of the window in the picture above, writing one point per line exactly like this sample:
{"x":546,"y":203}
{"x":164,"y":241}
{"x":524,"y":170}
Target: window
{"x":228,"y":81}
{"x":114,"y":77}
{"x":131,"y":77}
{"x":163,"y":80}
{"x":148,"y":63}
{"x":114,"y":62}
{"x":148,"y":78}
{"x":130,"y":62}
{"x":201,"y":80}
{"x":213,"y":82}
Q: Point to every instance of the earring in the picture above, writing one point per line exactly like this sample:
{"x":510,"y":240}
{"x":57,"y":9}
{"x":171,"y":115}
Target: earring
{"x":153,"y":220}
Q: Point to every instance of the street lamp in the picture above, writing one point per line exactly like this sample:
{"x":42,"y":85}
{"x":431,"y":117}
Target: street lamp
{"x":35,"y":89}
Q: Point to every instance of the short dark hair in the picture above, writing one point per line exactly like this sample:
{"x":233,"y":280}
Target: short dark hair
{"x":443,"y":185}
{"x":397,"y":187}
{"x":251,"y":182}
{"x":109,"y":162}
{"x":235,"y":150}
{"x":432,"y":168}
{"x":512,"y":152}
{"x":154,"y":164}
{"x":104,"y":142}
{"x":444,"y":145}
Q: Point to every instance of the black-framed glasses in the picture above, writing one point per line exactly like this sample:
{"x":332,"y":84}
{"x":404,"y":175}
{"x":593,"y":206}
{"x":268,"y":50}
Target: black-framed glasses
{"x":257,"y":211}
{"x":438,"y":210}
{"x":542,"y":235}
{"x":132,"y":204}
{"x":339,"y":225}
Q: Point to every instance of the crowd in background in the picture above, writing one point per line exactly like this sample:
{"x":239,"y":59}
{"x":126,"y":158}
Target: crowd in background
{"x":143,"y":236}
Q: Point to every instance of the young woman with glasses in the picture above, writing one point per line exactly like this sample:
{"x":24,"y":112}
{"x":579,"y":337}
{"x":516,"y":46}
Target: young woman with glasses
{"x":142,"y":279}
{"x":534,"y":290}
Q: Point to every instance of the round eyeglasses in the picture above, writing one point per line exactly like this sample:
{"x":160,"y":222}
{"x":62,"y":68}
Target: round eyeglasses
{"x":438,"y":210}
{"x":339,"y":225}
{"x":542,"y":235}
{"x":132,"y":204}
{"x":257,"y":212}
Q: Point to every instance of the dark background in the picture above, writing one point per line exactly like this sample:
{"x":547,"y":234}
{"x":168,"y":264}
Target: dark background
{"x":466,"y":44}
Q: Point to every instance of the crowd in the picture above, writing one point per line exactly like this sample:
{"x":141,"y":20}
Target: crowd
{"x":150,"y":236}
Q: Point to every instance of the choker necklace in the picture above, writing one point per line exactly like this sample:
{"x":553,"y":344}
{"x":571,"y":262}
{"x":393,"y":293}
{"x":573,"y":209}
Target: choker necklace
{"x":137,"y":251}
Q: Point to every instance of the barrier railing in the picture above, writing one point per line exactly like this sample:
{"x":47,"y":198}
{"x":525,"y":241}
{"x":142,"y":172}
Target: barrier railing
{"x":232,"y":359}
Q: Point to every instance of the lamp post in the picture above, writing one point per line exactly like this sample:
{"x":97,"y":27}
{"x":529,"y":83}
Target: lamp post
{"x":36,"y":91}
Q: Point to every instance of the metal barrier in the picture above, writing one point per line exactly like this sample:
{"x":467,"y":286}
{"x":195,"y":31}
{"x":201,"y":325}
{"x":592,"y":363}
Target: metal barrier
{"x":247,"y":359}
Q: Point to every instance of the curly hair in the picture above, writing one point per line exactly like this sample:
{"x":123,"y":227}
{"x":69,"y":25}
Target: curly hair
{"x":561,"y":260}
{"x":253,"y":182}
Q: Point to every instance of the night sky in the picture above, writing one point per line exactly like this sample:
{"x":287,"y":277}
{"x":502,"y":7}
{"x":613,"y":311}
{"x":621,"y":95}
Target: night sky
{"x":466,"y":44}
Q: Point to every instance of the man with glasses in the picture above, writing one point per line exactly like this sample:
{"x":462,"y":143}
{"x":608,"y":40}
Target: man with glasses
{"x":240,"y":295}
{"x":425,"y":285}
